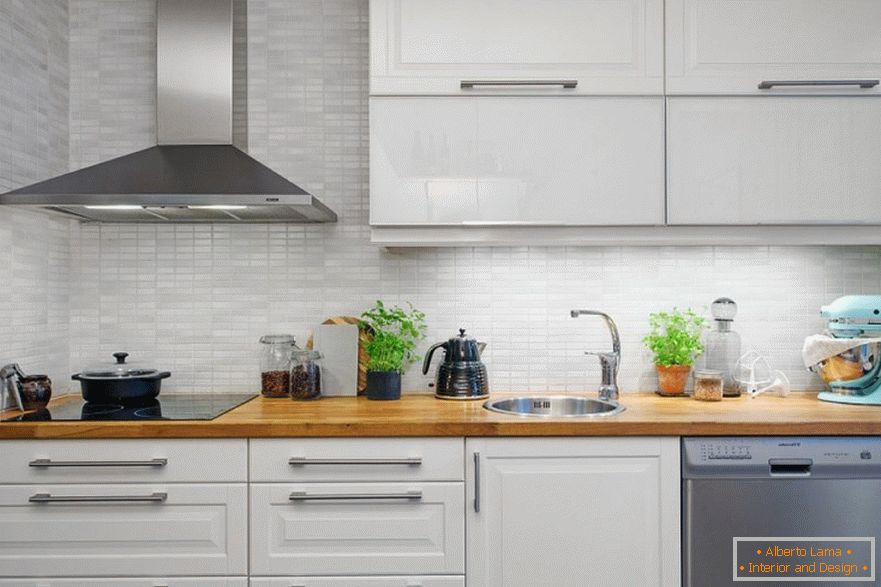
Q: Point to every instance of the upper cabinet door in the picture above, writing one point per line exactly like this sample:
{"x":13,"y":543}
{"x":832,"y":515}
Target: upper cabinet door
{"x":799,"y":160}
{"x":735,"y":46}
{"x":513,"y":161}
{"x":431,"y":47}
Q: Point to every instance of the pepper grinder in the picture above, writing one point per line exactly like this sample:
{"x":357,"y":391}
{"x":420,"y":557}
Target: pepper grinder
{"x":723,"y":345}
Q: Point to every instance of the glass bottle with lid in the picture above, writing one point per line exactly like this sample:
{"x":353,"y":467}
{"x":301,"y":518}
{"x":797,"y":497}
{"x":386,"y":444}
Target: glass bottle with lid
{"x":275,"y":364}
{"x":722,"y":347}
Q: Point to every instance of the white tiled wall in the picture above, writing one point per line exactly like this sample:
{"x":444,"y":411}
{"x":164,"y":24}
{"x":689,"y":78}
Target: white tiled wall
{"x":34,"y":248}
{"x":196,"y":299}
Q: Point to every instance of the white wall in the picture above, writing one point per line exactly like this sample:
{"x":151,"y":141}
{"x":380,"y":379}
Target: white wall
{"x":196,"y":299}
{"x":34,"y":247}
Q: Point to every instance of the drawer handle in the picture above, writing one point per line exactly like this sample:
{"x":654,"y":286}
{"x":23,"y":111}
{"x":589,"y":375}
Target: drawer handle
{"x":863,"y":83}
{"x":414,"y":494}
{"x":411,"y":461}
{"x":45,"y":463}
{"x":568,"y":84}
{"x":156,"y":497}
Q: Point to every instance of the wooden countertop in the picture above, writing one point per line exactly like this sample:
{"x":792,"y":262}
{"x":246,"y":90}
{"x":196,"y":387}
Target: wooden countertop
{"x":423,"y":415}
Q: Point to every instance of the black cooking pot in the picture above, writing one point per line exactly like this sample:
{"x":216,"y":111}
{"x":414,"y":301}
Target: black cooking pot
{"x":120,"y":382}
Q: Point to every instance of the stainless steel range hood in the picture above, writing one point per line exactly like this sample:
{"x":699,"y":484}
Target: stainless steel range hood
{"x":195,"y":174}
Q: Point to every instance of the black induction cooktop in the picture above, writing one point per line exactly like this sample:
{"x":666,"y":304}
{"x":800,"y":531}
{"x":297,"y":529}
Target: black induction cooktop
{"x":172,"y":406}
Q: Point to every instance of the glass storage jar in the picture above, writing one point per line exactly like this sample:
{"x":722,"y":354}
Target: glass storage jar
{"x":708,"y":385}
{"x":306,"y":374}
{"x":275,"y":364}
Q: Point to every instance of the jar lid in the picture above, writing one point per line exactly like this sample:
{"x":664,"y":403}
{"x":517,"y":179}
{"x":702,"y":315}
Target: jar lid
{"x":119,"y":369}
{"x":306,"y":355}
{"x":707,"y":374}
{"x":278,"y":339}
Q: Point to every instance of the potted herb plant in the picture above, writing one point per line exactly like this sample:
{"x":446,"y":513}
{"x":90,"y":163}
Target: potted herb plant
{"x":675,"y":341}
{"x":395,"y":333}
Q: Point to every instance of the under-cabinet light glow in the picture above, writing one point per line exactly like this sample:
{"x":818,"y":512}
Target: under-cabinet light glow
{"x":115,"y":207}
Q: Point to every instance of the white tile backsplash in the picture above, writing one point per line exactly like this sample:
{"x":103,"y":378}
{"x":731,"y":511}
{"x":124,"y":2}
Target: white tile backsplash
{"x":34,"y":247}
{"x":195,"y":299}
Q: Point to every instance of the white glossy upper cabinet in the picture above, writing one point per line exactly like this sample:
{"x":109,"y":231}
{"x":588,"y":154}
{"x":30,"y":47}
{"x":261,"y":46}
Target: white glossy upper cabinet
{"x":549,"y":161}
{"x":794,"y":160}
{"x":431,"y":47}
{"x":732,"y":46}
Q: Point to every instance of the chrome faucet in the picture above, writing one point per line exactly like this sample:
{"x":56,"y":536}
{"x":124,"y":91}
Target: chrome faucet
{"x":608,"y":361}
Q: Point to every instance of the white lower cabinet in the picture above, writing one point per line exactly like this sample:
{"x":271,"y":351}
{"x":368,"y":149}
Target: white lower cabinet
{"x":122,"y":529}
{"x":357,"y":528}
{"x":580,"y":512}
{"x":119,"y":582}
{"x":397,"y":581}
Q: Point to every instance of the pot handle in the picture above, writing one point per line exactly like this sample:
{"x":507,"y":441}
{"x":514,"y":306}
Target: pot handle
{"x":158,"y":376}
{"x":76,"y":377}
{"x":427,"y":362}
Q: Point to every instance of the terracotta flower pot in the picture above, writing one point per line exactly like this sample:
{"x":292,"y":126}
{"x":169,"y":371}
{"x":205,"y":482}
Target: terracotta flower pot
{"x":672,"y":379}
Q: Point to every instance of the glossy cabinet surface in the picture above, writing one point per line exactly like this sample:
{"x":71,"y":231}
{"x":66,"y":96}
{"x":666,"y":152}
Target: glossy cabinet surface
{"x":539,"y":161}
{"x":795,"y":160}
{"x":129,"y":582}
{"x":587,"y":512}
{"x":731,"y":46}
{"x":430,"y":47}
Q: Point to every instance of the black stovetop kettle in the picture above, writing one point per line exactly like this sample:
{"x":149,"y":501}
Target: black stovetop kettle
{"x":462,"y":375}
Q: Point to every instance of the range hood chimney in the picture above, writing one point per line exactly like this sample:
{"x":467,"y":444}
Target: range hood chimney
{"x":194,"y":174}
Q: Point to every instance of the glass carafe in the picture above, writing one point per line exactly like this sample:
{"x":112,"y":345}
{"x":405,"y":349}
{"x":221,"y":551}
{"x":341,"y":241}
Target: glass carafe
{"x":722,"y":346}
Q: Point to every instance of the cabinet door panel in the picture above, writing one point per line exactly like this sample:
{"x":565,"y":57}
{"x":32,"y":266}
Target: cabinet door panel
{"x":429,"y":47}
{"x":795,"y":160}
{"x":196,"y":530}
{"x":574,"y":512}
{"x":729,"y":46}
{"x":353,"y":535}
{"x":517,"y":161}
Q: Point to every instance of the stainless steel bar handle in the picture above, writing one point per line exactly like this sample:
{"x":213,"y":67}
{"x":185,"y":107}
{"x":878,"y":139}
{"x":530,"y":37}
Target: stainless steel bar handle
{"x":413,"y":494}
{"x":155,"y":497}
{"x":477,"y":482}
{"x":45,"y":463}
{"x":568,"y":84}
{"x":863,"y":83}
{"x":413,"y":461}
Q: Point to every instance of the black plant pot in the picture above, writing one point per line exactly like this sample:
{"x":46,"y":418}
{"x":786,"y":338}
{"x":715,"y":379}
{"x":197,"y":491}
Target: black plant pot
{"x":383,"y":385}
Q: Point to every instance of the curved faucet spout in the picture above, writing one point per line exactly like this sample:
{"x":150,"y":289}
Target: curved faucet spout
{"x":609,"y":361}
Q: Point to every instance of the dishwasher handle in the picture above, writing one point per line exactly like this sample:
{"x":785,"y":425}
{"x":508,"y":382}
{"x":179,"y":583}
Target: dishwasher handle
{"x":790,"y":467}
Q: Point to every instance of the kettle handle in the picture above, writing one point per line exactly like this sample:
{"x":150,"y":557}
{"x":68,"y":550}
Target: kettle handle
{"x":427,"y":362}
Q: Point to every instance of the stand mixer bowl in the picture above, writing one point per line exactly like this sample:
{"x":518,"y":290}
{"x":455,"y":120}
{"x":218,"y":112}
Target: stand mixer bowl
{"x":853,"y":371}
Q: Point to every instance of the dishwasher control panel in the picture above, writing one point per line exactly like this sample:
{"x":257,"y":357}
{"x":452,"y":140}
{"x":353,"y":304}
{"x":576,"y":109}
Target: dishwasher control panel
{"x":781,"y":456}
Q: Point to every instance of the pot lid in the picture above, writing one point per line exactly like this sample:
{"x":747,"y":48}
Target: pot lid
{"x":117,"y":370}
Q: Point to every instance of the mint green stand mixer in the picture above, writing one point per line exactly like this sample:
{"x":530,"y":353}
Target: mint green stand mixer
{"x":853,"y":376}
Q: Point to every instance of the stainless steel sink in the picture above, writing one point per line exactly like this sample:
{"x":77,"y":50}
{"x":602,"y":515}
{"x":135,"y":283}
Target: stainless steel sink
{"x":554,"y":406}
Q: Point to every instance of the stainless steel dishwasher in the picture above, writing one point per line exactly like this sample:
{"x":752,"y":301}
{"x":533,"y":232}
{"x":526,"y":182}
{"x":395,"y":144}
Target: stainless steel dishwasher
{"x":774,"y":487}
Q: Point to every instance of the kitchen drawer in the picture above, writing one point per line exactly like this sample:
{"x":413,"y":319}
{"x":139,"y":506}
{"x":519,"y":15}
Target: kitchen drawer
{"x":398,"y":581}
{"x":353,"y":534}
{"x":196,"y":530}
{"x":117,"y":582}
{"x":343,"y":459}
{"x":125,"y":461}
